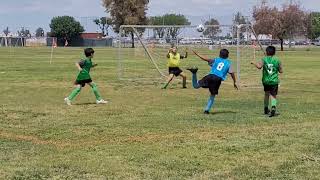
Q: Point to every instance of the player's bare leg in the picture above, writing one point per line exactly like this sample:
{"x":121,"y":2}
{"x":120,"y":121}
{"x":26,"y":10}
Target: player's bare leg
{"x":184,"y":80}
{"x":170,"y":78}
{"x":266,"y":102}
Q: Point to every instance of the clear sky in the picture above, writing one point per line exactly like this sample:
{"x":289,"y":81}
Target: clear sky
{"x":37,"y":13}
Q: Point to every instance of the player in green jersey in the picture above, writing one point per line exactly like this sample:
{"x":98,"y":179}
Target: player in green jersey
{"x":84,"y":78}
{"x":271,"y":66}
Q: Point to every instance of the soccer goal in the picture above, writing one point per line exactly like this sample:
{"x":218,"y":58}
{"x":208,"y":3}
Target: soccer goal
{"x":147,"y":60}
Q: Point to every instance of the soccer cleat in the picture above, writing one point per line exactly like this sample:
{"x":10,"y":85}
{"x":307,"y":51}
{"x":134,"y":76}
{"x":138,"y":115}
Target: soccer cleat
{"x":206,"y":112}
{"x":266,"y":111}
{"x":193,"y":69}
{"x":273,"y":112}
{"x":101,"y":101}
{"x":67,"y":101}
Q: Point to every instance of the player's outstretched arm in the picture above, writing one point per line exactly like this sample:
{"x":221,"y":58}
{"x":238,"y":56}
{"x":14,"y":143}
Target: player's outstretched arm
{"x":186,"y":56}
{"x":201,"y":57}
{"x":280,"y":68}
{"x":168,"y":55}
{"x":234,"y":81}
{"x":258,"y":65}
{"x":78,"y":66}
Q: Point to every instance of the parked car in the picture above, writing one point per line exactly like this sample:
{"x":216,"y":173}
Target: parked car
{"x":313,"y":42}
{"x":302,"y":43}
{"x":288,"y":42}
{"x":209,"y":42}
{"x":161,"y":41}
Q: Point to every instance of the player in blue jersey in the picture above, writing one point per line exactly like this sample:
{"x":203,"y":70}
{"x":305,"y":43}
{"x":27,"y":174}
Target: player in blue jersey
{"x":220,"y":68}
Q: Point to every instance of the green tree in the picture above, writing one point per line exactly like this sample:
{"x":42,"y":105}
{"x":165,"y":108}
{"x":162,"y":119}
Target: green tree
{"x":65,"y":28}
{"x":40,"y":32}
{"x":103,"y":23}
{"x":174,"y":19}
{"x":211,"y":32}
{"x":6,"y":31}
{"x":237,"y":20}
{"x":24,"y":32}
{"x":158,"y":20}
{"x":313,"y":25}
{"x":127,"y":12}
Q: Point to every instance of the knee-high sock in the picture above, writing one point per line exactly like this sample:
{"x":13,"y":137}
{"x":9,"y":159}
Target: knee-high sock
{"x":74,"y":93}
{"x":166,"y":85}
{"x":273,"y":102}
{"x":96,"y":91}
{"x":184,"y":82}
{"x":168,"y":81}
{"x":210,"y":103}
{"x":195,"y":83}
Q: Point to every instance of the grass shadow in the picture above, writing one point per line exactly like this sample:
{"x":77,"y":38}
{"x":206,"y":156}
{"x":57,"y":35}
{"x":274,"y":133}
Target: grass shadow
{"x":222,"y":112}
{"x":85,"y":104}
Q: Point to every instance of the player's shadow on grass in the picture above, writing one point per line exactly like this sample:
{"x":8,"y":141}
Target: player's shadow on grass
{"x":223,"y":112}
{"x":85,"y":104}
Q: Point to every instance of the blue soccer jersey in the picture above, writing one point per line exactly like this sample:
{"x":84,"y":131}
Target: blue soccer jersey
{"x":220,"y":67}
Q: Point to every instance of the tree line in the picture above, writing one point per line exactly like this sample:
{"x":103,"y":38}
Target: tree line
{"x":286,"y":22}
{"x":282,"y":23}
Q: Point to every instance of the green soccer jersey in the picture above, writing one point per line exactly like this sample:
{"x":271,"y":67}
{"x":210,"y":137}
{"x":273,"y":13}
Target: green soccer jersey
{"x":271,"y":69}
{"x":86,"y":65}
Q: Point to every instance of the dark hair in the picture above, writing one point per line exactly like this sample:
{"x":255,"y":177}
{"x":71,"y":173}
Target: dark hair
{"x":271,"y":50}
{"x":88,"y":52}
{"x":224,"y":54}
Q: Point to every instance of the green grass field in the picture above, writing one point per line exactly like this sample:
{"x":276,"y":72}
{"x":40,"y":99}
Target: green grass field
{"x":149,"y":133}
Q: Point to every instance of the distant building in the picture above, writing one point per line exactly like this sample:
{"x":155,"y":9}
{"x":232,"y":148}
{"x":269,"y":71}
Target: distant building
{"x":91,"y":35}
{"x":250,"y":36}
{"x":9,"y":35}
{"x":92,"y":39}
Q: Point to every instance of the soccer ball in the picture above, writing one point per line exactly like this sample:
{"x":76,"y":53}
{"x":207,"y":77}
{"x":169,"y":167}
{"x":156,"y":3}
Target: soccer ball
{"x":200,"y":28}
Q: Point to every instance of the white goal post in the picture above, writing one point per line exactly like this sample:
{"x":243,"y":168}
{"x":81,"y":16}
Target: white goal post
{"x":147,"y":60}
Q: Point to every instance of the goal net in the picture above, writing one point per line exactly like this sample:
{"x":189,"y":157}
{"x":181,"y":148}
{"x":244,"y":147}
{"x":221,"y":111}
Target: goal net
{"x":148,"y":61}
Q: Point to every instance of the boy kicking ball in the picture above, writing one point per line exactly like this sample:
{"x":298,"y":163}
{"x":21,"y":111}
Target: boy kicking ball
{"x":271,"y":67}
{"x":220,"y":67}
{"x":174,"y":59}
{"x":84,"y":78}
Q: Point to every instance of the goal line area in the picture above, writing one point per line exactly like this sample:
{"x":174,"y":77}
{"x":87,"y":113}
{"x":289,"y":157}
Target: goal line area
{"x":148,"y":61}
